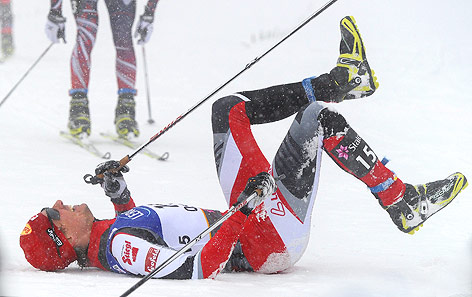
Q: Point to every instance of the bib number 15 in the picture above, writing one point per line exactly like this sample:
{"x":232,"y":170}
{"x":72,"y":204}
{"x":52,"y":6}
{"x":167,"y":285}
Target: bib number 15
{"x":370,"y":156}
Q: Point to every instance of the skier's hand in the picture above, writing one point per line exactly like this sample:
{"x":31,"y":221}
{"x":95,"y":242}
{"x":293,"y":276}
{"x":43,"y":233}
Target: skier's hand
{"x":113,"y":183}
{"x":111,"y":165}
{"x":55,"y":27}
{"x":263,"y":184}
{"x":144,"y":28}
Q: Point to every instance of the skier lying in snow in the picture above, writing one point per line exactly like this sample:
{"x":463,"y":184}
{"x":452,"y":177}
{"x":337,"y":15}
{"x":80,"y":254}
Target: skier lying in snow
{"x":268,"y":236}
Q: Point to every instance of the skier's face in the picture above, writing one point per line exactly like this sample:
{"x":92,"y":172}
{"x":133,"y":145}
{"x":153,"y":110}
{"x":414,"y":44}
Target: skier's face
{"x":74,"y":221}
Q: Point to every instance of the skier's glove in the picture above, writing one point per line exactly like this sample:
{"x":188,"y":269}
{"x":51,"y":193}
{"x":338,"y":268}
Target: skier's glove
{"x":55,"y":27}
{"x":144,"y":28}
{"x":113,"y":183}
{"x":263,"y":184}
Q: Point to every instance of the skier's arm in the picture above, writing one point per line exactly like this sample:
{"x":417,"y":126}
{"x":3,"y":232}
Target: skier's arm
{"x":115,"y":185}
{"x":125,"y":206}
{"x":55,"y":25}
{"x":150,"y":7}
{"x":56,"y":7}
{"x":140,"y":257}
{"x":214,"y":255}
{"x":144,"y":27}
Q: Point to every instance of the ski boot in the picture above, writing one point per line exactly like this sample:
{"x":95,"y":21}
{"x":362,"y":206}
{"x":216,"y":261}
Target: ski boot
{"x":79,"y":115}
{"x":422,"y":201}
{"x":125,"y":123}
{"x":7,"y":45}
{"x":352,"y":72}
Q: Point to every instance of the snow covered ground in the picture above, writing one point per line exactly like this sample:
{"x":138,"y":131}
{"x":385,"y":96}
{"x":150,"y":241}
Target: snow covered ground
{"x":420,"y":117}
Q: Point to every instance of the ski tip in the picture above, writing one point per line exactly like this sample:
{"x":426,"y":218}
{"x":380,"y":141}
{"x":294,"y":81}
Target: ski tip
{"x":164,"y":156}
{"x":106,"y":156}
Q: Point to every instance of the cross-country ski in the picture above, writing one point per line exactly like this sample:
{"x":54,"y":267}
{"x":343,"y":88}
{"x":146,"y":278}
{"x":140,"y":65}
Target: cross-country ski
{"x":85,"y":144}
{"x":133,"y":145}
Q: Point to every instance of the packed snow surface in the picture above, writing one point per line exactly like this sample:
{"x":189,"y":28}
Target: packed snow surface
{"x":420,"y":118}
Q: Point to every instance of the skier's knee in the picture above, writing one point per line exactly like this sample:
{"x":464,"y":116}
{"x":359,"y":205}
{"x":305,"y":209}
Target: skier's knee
{"x":220,"y":112}
{"x":332,"y":122}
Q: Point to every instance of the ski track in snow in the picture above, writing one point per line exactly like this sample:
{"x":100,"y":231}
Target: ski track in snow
{"x":420,"y":118}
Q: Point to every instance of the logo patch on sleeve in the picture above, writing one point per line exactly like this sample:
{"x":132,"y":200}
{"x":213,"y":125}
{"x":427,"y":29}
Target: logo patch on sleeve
{"x":129,"y":253}
{"x":151,"y":259}
{"x":26,"y":230}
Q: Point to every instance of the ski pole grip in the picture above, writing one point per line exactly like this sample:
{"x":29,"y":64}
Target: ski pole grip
{"x":90,"y":179}
{"x":125,"y":160}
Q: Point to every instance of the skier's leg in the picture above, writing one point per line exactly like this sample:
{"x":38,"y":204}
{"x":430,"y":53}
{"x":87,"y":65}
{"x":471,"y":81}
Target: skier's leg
{"x":237,"y":155}
{"x":408,"y":206}
{"x":122,"y":14}
{"x":237,"y":158}
{"x":276,"y":234}
{"x":6,"y":30}
{"x":276,"y":237}
{"x":352,"y":77}
{"x":86,"y":18}
{"x":354,"y":156}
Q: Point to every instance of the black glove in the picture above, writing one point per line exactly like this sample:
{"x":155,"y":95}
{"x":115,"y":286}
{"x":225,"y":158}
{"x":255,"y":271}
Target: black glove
{"x":265,"y":186}
{"x":113,"y":183}
{"x":55,"y":27}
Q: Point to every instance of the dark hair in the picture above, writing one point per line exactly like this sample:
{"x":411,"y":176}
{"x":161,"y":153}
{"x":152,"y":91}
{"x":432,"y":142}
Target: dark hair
{"x":82,"y":260}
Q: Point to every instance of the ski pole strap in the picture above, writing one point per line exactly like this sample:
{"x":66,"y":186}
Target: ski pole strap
{"x":90,"y":179}
{"x":310,"y":93}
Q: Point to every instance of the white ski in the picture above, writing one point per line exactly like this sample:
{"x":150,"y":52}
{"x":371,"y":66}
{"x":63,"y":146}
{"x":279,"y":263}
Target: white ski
{"x":85,"y":144}
{"x":134,"y":145}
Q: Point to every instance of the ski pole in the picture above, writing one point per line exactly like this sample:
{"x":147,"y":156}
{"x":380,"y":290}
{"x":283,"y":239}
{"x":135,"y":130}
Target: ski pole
{"x":150,"y":121}
{"x":91,"y":179}
{"x":230,"y":212}
{"x":27,"y":72}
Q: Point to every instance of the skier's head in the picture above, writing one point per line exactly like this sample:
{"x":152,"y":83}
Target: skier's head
{"x":50,"y":238}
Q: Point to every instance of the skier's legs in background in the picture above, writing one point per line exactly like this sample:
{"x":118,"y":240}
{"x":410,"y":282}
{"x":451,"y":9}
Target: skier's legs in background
{"x":122,"y":14}
{"x":86,"y":18}
{"x":6,"y":19}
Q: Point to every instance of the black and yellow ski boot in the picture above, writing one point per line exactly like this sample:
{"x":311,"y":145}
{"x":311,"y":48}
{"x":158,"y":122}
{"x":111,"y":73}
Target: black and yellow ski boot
{"x":352,"y":72}
{"x":125,"y":122}
{"x":422,"y":201}
{"x":79,"y":116}
{"x":7,"y":46}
